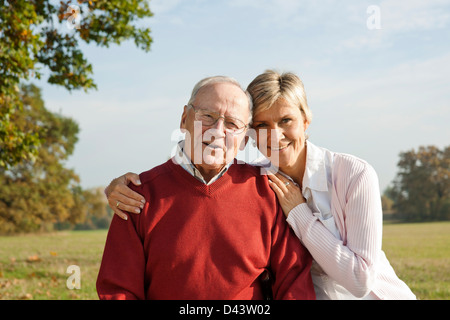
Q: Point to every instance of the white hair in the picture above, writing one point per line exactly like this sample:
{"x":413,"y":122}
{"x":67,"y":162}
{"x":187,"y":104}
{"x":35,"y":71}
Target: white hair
{"x":220,"y":79}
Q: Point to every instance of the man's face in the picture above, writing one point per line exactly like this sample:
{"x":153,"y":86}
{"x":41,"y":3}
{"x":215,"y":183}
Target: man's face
{"x":210,"y":148}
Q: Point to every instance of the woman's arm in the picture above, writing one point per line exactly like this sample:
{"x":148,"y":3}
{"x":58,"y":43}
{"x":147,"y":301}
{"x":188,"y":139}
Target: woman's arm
{"x":352,"y":260}
{"x":121,"y":198}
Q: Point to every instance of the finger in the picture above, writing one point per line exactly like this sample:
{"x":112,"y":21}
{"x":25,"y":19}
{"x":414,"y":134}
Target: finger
{"x":286,"y":182}
{"x":118,"y":200}
{"x":133,"y":178}
{"x":280,"y":184}
{"x":133,"y":197}
{"x":276,"y":189}
{"x":282,"y":178}
{"x":121,"y":214}
{"x":123,"y":193}
{"x":122,"y":180}
{"x":124,"y":207}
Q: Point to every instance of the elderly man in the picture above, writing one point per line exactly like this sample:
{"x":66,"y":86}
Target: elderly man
{"x":210,"y":226}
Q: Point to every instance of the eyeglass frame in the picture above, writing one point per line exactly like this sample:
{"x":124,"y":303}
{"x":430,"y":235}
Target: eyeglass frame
{"x":239,"y":131}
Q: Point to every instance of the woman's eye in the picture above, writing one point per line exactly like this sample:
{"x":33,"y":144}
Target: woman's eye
{"x":286,"y":120}
{"x":260,"y":125}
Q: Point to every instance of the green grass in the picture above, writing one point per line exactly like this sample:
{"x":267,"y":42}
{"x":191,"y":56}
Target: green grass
{"x":420,"y":255}
{"x":34,"y":266}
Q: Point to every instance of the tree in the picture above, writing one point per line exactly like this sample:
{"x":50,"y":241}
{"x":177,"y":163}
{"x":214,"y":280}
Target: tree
{"x":93,"y":206}
{"x":40,"y":35}
{"x":39,"y":192}
{"x":421,"y":189}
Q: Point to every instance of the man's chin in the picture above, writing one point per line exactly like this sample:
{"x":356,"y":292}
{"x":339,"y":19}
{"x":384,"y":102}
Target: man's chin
{"x":212,"y":157}
{"x":213,"y":161}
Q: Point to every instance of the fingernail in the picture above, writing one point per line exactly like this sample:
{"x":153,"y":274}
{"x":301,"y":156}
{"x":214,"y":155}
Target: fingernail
{"x":138,"y":181}
{"x":125,"y":217}
{"x":137,"y":210}
{"x":142,"y":206}
{"x":143,"y":201}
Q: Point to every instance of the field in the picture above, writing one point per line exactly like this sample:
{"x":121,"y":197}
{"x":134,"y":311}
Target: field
{"x":35,"y":266}
{"x":420,"y":255}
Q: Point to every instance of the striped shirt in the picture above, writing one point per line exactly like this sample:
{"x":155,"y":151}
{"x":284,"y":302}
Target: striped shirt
{"x":341,"y":226}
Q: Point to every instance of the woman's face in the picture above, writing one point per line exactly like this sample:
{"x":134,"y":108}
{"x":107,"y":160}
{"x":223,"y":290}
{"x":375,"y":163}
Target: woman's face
{"x":280,"y":133}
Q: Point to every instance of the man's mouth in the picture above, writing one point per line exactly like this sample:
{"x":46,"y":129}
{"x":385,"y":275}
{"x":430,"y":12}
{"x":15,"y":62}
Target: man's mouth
{"x":212,"y":145}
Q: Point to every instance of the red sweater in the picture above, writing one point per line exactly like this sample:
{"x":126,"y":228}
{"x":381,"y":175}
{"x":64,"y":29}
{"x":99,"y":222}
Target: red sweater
{"x":194,"y":241}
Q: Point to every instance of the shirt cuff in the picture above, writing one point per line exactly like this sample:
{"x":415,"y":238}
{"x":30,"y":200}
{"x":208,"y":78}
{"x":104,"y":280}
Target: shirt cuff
{"x":299,"y":218}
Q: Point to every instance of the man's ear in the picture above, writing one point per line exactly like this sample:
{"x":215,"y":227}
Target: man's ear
{"x":183,"y":120}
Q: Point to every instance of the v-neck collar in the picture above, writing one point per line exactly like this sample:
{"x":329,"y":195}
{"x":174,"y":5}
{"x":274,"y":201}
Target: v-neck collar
{"x":205,"y":189}
{"x":183,"y":160}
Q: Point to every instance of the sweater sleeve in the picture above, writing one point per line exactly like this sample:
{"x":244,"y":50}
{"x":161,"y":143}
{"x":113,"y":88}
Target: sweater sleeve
{"x":352,"y":261}
{"x":290,"y":264}
{"x":121,"y":275}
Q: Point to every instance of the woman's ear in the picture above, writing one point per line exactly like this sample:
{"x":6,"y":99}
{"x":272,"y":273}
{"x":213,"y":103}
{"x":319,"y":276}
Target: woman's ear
{"x":306,"y":124}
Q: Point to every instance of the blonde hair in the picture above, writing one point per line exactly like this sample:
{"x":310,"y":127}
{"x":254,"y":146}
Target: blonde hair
{"x":271,"y":85}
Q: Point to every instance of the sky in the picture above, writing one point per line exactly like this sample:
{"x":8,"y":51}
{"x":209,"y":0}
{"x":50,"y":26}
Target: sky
{"x":376,"y":75}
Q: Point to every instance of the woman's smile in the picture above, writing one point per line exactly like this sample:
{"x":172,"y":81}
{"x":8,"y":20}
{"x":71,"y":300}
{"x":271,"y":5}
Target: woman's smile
{"x":280,"y":148}
{"x":281,"y":129}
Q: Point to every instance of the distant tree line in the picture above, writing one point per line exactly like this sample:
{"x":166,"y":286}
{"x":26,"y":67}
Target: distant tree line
{"x":421,"y":190}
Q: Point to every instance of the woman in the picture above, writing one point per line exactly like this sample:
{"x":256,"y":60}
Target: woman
{"x":331,"y":200}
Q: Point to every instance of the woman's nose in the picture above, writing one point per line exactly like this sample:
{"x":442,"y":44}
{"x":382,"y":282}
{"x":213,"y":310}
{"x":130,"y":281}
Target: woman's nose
{"x":276,"y":135}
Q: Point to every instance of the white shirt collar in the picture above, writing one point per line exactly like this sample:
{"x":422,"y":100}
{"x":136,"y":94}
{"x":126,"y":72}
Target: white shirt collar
{"x":183,"y":160}
{"x":315,"y":176}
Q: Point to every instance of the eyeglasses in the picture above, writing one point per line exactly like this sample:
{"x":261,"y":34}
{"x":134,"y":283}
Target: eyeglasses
{"x":209,"y":118}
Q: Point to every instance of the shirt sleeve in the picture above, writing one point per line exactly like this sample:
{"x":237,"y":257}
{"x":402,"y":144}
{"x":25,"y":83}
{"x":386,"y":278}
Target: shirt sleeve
{"x":290,"y":264}
{"x":352,"y":261}
{"x":121,"y":275}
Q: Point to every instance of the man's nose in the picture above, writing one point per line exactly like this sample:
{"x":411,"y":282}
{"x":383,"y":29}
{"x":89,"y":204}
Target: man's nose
{"x":219,"y":125}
